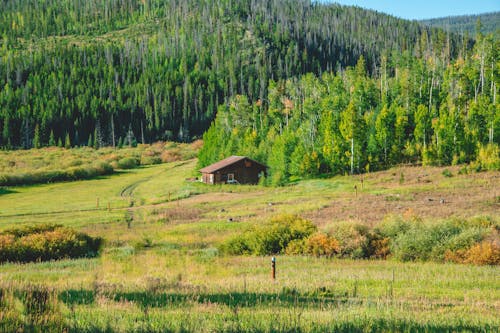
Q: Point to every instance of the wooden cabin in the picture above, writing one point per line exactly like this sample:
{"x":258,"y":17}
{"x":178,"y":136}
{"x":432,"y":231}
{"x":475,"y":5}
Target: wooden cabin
{"x":233,"y":170}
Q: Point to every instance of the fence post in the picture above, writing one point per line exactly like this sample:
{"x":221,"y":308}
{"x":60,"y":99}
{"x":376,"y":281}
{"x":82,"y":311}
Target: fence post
{"x":273,"y":265}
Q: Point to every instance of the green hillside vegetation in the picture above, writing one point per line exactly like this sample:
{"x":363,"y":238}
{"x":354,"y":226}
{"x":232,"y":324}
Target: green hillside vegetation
{"x":164,"y":265}
{"x":159,"y":69}
{"x":418,"y":110}
{"x":467,"y":24}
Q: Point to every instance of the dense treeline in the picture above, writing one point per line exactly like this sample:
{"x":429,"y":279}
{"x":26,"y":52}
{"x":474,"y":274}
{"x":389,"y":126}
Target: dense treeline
{"x":467,"y":24}
{"x":411,"y":110}
{"x":92,"y":72}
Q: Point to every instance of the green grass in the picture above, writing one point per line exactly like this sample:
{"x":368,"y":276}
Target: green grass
{"x":162,"y":271}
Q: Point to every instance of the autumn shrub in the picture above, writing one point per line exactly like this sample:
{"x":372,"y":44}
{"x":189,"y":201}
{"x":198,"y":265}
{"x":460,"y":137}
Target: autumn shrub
{"x":484,"y":253}
{"x":354,"y":239}
{"x":321,"y":244}
{"x":46,"y":242}
{"x":171,"y":155}
{"x":380,"y":247}
{"x":463,"y":240}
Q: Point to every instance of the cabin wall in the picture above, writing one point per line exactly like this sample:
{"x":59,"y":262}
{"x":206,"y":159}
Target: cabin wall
{"x":245,"y":172}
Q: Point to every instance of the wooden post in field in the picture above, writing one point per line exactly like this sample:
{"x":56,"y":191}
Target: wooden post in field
{"x":169,"y":195}
{"x":356,"y":190}
{"x":273,"y":266}
{"x":97,"y":203}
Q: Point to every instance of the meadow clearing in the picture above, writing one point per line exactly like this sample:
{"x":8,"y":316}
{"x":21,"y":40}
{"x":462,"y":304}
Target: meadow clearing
{"x":161,"y":270}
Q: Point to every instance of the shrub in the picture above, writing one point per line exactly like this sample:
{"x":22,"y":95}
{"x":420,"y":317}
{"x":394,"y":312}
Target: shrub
{"x":393,"y":226}
{"x":296,"y":247}
{"x":354,"y":239}
{"x":320,"y":244}
{"x":437,"y":241}
{"x":46,"y":242}
{"x":271,"y":238}
{"x":171,"y":155}
{"x":447,"y":173}
{"x":462,"y":240}
{"x":127,"y":163}
{"x":485,"y":253}
{"x":380,"y":247}
{"x":424,"y":242}
{"x":236,"y":246}
{"x":149,"y":160}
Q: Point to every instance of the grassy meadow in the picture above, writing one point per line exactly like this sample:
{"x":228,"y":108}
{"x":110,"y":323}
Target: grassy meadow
{"x":161,"y":270}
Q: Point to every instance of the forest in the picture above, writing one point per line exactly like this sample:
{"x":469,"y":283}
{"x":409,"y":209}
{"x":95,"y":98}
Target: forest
{"x":97,"y":71}
{"x":326,"y":88}
{"x":467,"y":24}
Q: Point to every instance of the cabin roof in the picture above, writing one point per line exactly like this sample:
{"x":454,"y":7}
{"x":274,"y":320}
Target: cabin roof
{"x":227,"y":162}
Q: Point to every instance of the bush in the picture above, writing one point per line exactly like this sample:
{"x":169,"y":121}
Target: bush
{"x":236,"y":246}
{"x":127,"y":163}
{"x":46,"y":242}
{"x":320,"y":244}
{"x":296,"y":247}
{"x":447,"y":173}
{"x":171,"y":155}
{"x":423,"y":242}
{"x":271,"y":238}
{"x":485,"y":253}
{"x":149,"y":160}
{"x":354,"y":239}
{"x":437,"y":241}
{"x":393,"y":226}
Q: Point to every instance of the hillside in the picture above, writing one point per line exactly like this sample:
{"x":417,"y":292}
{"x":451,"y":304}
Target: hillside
{"x":157,"y":69}
{"x":490,"y":23}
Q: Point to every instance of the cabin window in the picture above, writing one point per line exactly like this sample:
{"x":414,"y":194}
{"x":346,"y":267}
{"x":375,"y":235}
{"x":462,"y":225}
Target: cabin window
{"x":230,"y":177}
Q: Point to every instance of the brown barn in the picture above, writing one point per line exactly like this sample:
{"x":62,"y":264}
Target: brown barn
{"x":233,"y":170}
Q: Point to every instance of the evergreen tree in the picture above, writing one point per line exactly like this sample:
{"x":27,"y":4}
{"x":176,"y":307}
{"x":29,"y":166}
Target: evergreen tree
{"x":36,"y":137}
{"x":52,"y":140}
{"x":67,"y":142}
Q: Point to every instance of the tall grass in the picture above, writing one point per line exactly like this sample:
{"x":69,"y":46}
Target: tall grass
{"x":48,"y":165}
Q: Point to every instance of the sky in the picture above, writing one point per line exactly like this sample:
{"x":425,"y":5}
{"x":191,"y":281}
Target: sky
{"x":424,"y":9}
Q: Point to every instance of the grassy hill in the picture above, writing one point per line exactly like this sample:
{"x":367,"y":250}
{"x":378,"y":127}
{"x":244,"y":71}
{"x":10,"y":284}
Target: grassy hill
{"x":161,"y":269}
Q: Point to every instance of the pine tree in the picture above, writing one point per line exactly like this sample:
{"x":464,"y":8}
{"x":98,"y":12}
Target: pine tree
{"x":52,"y":140}
{"x":67,"y":142}
{"x":36,"y":137}
{"x":90,"y":142}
